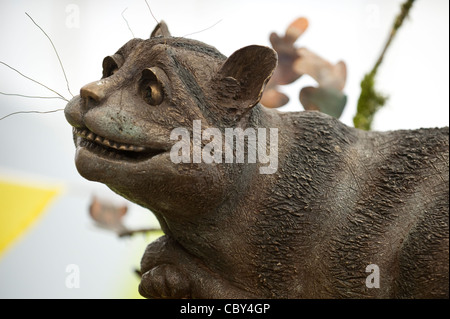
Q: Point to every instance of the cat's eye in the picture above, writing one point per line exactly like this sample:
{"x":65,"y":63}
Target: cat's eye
{"x":153,"y":93}
{"x":151,"y":88}
{"x":111,"y":65}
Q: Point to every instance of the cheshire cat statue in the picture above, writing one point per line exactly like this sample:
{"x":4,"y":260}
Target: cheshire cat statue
{"x":302,"y":216}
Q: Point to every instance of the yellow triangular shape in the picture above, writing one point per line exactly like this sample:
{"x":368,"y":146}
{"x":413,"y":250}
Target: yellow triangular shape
{"x":20,"y":206}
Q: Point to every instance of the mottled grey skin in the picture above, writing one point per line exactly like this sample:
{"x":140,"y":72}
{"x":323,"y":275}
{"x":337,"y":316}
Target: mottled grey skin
{"x":342,"y":199}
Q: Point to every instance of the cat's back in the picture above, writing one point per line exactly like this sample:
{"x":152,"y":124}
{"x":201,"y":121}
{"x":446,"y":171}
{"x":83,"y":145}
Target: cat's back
{"x":358,"y":198}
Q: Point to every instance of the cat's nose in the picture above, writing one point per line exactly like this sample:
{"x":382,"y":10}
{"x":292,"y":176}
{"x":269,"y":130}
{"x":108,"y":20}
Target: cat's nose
{"x":95,"y":91}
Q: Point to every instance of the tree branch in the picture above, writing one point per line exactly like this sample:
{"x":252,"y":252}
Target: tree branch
{"x":370,"y":101}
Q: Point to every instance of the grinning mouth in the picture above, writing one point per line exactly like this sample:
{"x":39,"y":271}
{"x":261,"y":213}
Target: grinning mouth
{"x":104,"y":147}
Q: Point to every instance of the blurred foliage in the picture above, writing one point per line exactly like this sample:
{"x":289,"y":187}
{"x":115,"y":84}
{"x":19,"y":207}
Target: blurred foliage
{"x":294,"y":62}
{"x":328,"y":96}
{"x":110,"y":216}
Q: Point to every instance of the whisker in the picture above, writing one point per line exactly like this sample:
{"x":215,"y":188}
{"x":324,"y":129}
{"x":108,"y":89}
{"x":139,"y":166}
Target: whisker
{"x":32,"y":96}
{"x":27,"y":77}
{"x":210,"y":27}
{"x":54,"y":48}
{"x":128,"y":25}
{"x":27,"y":112}
{"x":151,"y":12}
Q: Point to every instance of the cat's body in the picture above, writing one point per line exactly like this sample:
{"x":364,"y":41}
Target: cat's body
{"x":340,"y":200}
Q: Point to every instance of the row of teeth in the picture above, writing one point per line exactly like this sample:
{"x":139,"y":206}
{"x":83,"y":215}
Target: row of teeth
{"x":90,"y":136}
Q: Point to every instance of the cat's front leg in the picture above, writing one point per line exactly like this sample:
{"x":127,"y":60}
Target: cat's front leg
{"x":170,"y":272}
{"x":165,"y":281}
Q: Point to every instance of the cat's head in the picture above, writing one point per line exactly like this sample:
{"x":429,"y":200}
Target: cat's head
{"x":122,"y":123}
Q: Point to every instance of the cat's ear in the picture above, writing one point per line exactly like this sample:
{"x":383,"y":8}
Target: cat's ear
{"x":161,"y":30}
{"x":243,"y":76}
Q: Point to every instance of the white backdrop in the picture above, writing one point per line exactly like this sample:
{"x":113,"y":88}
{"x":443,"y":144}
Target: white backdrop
{"x":415,"y":75}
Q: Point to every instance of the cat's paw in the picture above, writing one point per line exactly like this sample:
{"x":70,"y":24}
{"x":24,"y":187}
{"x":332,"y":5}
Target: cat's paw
{"x":165,"y":281}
